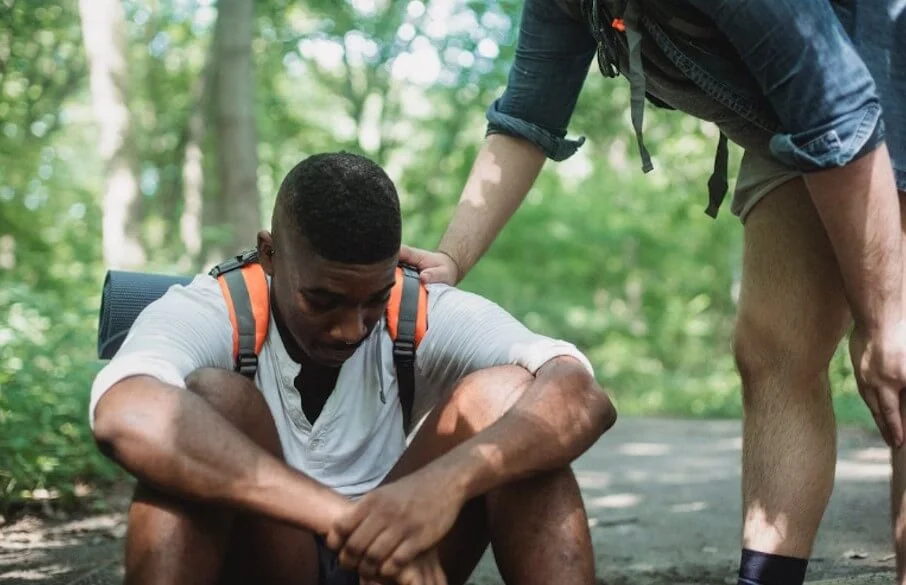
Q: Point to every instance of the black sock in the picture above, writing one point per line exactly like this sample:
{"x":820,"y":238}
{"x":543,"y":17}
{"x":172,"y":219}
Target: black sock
{"x":758,"y":568}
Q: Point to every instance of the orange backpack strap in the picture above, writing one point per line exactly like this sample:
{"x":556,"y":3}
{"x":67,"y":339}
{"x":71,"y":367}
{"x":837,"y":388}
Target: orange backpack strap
{"x":244,"y":287}
{"x":407,"y":321}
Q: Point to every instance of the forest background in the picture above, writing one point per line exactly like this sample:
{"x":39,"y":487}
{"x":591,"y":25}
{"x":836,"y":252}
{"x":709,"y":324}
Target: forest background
{"x":153,"y":134}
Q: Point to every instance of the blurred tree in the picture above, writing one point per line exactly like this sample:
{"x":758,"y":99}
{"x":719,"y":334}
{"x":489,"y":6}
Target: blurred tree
{"x":236,"y":203}
{"x":103,"y":30}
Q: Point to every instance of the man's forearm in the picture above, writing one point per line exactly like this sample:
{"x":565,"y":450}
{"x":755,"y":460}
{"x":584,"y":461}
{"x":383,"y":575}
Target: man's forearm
{"x":556,"y":419}
{"x":859,"y":207}
{"x":175,"y":441}
{"x":501,"y":176}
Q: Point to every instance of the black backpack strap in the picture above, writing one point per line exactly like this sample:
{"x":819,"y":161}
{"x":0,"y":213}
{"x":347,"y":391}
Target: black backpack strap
{"x":717,"y":184}
{"x":234,"y":263}
{"x":404,"y":344}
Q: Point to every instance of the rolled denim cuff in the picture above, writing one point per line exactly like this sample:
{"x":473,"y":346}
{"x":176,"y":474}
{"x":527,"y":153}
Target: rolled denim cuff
{"x":554,"y":147}
{"x":832,"y":145}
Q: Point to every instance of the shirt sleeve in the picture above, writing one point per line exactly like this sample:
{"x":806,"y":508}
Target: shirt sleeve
{"x":185,"y":329}
{"x":467,"y":332}
{"x":553,"y":53}
{"x":809,"y":71}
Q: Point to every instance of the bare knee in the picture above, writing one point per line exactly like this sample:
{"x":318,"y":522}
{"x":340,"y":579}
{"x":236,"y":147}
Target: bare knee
{"x":231,"y":394}
{"x":237,"y":399}
{"x":482,"y":397}
{"x":784,"y":354}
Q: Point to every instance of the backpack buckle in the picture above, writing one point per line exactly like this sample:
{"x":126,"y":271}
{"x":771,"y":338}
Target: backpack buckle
{"x":237,"y":261}
{"x":247,"y":364}
{"x":404,"y":352}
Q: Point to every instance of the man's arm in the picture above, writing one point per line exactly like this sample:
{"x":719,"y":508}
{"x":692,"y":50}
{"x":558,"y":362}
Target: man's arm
{"x":525,"y":126}
{"x":503,"y":172}
{"x":558,"y":416}
{"x":144,"y":417}
{"x":174,"y":440}
{"x":556,"y":419}
{"x":859,"y":207}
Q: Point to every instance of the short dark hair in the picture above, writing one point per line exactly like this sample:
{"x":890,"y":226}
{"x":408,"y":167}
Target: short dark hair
{"x":344,"y":205}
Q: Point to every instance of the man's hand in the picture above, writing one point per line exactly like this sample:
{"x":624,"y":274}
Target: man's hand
{"x":386,"y":530}
{"x":434,"y":266}
{"x":424,"y":570}
{"x":879,"y":361}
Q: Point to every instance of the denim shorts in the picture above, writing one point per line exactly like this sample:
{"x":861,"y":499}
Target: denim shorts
{"x":881,"y":42}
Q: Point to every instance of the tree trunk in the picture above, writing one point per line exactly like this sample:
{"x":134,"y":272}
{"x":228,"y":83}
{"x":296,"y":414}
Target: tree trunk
{"x":191,"y":219}
{"x":235,"y":126}
{"x":104,"y":35}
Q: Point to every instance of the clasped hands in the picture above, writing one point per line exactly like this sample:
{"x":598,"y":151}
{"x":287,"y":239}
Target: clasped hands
{"x":391,"y":534}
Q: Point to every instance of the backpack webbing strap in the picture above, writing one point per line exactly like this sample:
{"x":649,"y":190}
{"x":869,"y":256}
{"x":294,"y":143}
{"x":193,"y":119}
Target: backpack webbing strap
{"x":407,"y":322}
{"x":636,"y":77}
{"x":717,"y":184}
{"x":245,"y":291}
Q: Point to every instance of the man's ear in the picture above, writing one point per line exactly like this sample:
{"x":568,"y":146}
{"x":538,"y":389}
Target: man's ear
{"x":266,"y":251}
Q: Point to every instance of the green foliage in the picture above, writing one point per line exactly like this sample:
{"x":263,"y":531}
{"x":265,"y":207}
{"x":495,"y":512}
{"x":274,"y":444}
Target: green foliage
{"x":625,"y":265}
{"x":45,"y":369}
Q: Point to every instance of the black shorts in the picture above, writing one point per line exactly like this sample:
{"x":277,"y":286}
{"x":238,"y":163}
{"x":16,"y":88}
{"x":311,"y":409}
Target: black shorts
{"x":329,"y":570}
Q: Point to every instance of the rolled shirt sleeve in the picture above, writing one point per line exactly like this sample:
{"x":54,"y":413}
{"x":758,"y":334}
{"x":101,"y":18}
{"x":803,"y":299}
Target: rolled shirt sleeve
{"x":811,"y":74}
{"x":553,"y":55}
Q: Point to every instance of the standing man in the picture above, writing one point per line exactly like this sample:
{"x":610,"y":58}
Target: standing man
{"x":815,"y":93}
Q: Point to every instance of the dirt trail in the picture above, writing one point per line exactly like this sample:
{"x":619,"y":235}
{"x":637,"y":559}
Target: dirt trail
{"x":663,"y":502}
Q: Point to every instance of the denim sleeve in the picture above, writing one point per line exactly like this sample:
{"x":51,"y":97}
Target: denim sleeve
{"x":553,"y":55}
{"x":810,"y":73}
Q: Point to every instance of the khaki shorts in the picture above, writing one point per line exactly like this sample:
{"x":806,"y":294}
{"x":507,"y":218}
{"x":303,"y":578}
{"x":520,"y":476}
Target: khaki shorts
{"x":758,"y":176}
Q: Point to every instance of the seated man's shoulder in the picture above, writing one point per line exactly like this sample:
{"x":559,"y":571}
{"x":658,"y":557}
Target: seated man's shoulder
{"x":202,"y":290}
{"x":446,"y":296}
{"x":185,"y":310}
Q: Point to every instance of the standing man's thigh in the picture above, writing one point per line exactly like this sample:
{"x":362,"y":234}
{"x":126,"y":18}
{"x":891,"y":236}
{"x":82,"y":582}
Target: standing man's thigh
{"x":791,"y":296}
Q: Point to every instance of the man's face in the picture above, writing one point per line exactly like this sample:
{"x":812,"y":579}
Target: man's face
{"x":329,"y":308}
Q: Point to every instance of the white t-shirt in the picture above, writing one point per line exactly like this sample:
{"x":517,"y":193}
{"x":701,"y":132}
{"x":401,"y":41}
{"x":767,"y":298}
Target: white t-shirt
{"x":358,"y":437}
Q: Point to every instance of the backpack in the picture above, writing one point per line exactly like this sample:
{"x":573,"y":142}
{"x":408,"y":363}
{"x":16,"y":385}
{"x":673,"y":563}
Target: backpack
{"x":245,"y":289}
{"x":617,"y":26}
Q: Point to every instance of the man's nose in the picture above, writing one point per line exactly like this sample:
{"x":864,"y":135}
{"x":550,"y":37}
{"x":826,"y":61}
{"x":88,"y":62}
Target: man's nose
{"x":349,"y":328}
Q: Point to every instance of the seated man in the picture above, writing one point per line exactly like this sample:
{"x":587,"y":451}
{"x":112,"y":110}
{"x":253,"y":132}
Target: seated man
{"x":305,"y":474}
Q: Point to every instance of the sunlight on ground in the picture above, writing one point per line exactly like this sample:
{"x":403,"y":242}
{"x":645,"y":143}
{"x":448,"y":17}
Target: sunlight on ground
{"x":614,"y":501}
{"x":853,"y":470}
{"x":593,"y":479}
{"x":645,"y":449}
{"x":689,"y":507}
{"x":873,"y":454}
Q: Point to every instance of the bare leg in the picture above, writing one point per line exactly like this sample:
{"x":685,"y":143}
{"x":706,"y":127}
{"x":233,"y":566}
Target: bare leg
{"x":170,"y":541}
{"x":538,"y":526}
{"x":792,"y":315}
{"x":176,"y":541}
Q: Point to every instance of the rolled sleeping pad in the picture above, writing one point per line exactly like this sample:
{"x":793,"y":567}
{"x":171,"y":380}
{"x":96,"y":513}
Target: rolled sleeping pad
{"x":124,"y":296}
